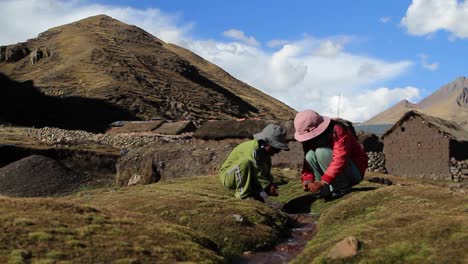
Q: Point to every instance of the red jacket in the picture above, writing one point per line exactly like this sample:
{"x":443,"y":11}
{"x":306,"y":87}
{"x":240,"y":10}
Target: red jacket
{"x":344,"y":146}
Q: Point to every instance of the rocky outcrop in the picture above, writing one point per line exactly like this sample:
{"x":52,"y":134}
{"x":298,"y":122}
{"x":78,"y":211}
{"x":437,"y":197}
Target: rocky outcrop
{"x":39,"y":53}
{"x":462,"y":99}
{"x":14,"y":53}
{"x":165,"y":161}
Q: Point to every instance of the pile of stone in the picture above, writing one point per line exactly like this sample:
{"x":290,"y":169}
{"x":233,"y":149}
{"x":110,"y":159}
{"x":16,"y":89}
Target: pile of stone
{"x":79,"y":137}
{"x":458,"y":169}
{"x":376,"y":162}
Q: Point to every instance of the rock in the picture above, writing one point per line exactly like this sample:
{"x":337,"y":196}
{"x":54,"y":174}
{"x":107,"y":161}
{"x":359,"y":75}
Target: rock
{"x":13,"y":53}
{"x":39,"y":53}
{"x":346,"y":248}
{"x":238,"y":217}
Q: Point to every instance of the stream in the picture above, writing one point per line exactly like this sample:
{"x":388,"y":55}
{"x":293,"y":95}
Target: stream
{"x":301,"y":232}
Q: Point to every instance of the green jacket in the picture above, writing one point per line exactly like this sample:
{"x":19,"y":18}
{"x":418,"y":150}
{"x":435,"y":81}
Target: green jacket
{"x":251,"y":151}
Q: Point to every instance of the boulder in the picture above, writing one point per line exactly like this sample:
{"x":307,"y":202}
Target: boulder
{"x":37,"y":176}
{"x":346,"y":248}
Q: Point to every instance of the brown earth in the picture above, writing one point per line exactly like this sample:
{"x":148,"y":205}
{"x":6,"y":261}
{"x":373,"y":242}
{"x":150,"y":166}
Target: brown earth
{"x":94,"y":162}
{"x":37,"y":176}
{"x":106,"y":60}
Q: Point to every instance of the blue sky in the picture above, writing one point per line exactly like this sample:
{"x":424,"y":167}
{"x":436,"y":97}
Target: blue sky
{"x":304,"y":53}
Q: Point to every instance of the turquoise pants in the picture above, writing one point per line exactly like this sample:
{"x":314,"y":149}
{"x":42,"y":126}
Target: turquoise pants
{"x":320,"y":159}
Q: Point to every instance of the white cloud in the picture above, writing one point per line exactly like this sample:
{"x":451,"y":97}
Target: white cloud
{"x":24,"y":19}
{"x":424,"y":62}
{"x":385,"y":19}
{"x":306,"y":74}
{"x":240,"y":35}
{"x":329,"y":48}
{"x":424,"y":17}
{"x":358,"y":107}
{"x":299,"y":77}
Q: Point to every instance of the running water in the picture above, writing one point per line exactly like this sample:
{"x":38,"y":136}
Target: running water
{"x":301,"y":232}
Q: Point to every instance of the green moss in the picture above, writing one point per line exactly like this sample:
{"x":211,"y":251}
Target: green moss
{"x":19,"y":256}
{"x":40,"y":236}
{"x":88,"y":230}
{"x":127,"y":261}
{"x":397,"y":224}
{"x":75,"y":243}
{"x":44,"y":261}
{"x":401,"y":252}
{"x":22,"y":222}
{"x":56,"y":255}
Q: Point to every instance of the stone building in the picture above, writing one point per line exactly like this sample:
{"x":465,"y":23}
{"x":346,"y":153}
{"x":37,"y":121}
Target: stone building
{"x":422,"y":146}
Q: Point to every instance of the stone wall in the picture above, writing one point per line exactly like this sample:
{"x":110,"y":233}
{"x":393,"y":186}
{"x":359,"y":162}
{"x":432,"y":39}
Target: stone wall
{"x":376,"y":162}
{"x":459,"y":169}
{"x":119,"y":141}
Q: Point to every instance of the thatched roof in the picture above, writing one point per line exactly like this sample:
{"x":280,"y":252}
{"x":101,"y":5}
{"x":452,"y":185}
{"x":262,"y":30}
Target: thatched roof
{"x":224,"y":129}
{"x":176,"y":128}
{"x":448,"y":128}
{"x":137,"y":126}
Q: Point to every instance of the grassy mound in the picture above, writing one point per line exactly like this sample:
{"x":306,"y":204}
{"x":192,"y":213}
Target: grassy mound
{"x":51,"y":231}
{"x":411,"y":222}
{"x":200,"y":204}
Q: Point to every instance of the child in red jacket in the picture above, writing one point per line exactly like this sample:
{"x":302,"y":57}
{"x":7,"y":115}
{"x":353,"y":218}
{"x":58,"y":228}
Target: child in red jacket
{"x":334,"y":160}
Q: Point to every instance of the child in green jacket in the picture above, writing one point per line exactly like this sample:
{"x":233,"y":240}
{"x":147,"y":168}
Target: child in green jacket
{"x":247,"y":168}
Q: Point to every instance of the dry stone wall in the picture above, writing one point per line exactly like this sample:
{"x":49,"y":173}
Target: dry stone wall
{"x":120,"y":141}
{"x":459,"y":169}
{"x":376,"y":162}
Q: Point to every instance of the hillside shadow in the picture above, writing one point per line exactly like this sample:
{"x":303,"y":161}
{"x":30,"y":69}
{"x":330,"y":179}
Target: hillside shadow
{"x":21,"y":103}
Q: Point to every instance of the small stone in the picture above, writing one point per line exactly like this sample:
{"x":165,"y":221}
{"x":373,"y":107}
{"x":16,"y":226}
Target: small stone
{"x":238,"y":217}
{"x":346,"y":248}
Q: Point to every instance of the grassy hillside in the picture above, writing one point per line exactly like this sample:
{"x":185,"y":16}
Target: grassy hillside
{"x":197,"y":220}
{"x":51,"y":231}
{"x":200,"y":204}
{"x":411,"y":222}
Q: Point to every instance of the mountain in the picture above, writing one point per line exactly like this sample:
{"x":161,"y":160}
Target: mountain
{"x":104,"y":59}
{"x":392,"y":114}
{"x":448,"y":102}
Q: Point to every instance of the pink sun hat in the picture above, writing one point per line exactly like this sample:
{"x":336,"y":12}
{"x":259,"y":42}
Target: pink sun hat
{"x":309,"y":124}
